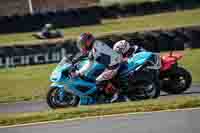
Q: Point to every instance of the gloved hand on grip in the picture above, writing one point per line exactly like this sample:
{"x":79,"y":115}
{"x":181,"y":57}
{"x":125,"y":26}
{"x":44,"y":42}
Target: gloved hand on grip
{"x":76,"y":74}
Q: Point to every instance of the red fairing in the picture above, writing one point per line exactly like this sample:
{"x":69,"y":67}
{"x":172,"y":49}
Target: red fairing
{"x":169,"y":60}
{"x":110,"y":89}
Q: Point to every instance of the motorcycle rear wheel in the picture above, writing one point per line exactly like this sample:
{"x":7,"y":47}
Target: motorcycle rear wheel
{"x":177,"y":82}
{"x":145,"y":90}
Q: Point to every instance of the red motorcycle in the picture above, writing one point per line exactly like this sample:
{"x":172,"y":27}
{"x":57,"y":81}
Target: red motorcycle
{"x":174,"y":78}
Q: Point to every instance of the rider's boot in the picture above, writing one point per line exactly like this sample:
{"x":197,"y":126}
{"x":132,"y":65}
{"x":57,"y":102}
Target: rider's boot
{"x":124,"y":88}
{"x":118,"y":96}
{"x":115,"y":97}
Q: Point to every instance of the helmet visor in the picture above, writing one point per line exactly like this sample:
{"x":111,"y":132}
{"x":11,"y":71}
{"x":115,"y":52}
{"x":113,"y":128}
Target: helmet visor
{"x":81,"y":46}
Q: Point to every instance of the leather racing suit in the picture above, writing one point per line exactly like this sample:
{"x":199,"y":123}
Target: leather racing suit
{"x":103,"y":54}
{"x":113,"y":61}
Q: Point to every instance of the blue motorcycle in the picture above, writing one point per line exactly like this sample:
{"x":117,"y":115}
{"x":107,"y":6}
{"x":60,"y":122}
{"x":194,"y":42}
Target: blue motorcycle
{"x":68,"y":91}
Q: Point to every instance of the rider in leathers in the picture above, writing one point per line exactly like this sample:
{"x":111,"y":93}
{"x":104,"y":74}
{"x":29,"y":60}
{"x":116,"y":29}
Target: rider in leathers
{"x":127,"y":50}
{"x":102,"y":53}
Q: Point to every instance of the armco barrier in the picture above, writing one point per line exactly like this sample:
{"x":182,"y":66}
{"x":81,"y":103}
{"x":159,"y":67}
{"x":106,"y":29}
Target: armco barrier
{"x":51,"y":52}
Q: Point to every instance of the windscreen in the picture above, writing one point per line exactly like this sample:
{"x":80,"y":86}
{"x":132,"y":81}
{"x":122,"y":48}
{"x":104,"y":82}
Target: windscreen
{"x":64,"y":61}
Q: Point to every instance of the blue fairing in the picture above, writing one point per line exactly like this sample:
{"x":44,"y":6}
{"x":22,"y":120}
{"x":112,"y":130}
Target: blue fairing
{"x":83,"y":88}
{"x":138,"y":60}
{"x":94,"y":71}
{"x":77,"y":83}
{"x":134,"y":62}
{"x":56,"y":75}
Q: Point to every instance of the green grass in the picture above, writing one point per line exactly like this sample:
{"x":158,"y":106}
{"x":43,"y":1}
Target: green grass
{"x":99,"y":110}
{"x":127,"y":2}
{"x":24,"y":83}
{"x":191,"y":62}
{"x":31,"y":83}
{"x":123,"y":2}
{"x":131,"y":24}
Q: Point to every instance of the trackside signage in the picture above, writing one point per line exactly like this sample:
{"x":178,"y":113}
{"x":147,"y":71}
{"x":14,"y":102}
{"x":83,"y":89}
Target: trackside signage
{"x":23,"y":56}
{"x":40,"y":58}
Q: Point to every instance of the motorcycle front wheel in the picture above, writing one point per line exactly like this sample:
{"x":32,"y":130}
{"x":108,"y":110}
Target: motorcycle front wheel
{"x":53,"y":100}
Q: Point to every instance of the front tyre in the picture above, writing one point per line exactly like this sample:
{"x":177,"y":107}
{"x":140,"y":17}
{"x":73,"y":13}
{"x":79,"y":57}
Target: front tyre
{"x":53,"y":100}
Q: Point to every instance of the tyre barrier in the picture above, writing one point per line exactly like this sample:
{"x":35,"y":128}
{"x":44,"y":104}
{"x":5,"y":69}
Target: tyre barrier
{"x":91,"y":15}
{"x":59,"y":19}
{"x":52,"y":52}
{"x":148,"y":7}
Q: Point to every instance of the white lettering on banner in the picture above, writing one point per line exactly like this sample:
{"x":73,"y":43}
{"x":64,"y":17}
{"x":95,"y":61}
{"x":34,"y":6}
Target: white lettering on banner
{"x":46,"y":57}
{"x":33,"y":59}
{"x":37,"y":58}
{"x":11,"y":61}
{"x":26,"y":60}
{"x":8,"y":63}
{"x":1,"y":62}
{"x":56,"y":57}
{"x":22,"y":60}
{"x":17,"y":60}
{"x":63,"y":52}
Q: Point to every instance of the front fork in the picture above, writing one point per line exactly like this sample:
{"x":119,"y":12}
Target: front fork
{"x":61,"y":92}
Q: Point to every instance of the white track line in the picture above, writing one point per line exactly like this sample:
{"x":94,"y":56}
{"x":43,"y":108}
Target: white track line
{"x":23,"y":102}
{"x":94,"y":117}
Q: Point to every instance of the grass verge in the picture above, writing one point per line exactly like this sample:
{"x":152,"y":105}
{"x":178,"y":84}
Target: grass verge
{"x":31,"y":82}
{"x":124,"y":25}
{"x":123,"y":2}
{"x":85,"y":111}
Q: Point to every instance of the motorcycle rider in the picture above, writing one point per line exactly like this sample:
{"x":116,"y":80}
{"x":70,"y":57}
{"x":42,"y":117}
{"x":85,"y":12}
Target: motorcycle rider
{"x":124,"y":48}
{"x":102,"y":53}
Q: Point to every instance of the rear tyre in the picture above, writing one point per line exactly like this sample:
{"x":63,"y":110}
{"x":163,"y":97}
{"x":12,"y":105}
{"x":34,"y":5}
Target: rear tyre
{"x":53,"y":101}
{"x":145,"y":90}
{"x":177,"y":82}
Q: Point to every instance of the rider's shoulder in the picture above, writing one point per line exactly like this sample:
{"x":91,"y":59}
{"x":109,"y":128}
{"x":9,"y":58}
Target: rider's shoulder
{"x":99,"y":43}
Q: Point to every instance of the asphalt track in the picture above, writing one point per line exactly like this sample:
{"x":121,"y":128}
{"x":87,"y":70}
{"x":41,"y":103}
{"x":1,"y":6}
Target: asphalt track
{"x":41,"y":105}
{"x":185,"y":121}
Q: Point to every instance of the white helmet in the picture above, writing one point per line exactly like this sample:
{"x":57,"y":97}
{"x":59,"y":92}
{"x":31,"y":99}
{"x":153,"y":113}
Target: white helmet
{"x":48,"y":25}
{"x":121,"y":46}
